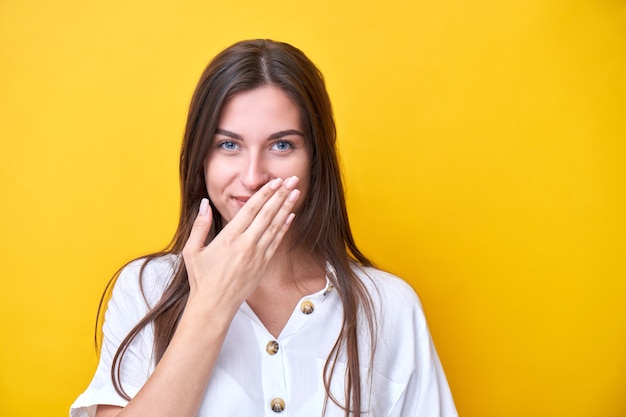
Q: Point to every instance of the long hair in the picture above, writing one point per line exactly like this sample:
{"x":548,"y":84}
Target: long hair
{"x":322,"y":227}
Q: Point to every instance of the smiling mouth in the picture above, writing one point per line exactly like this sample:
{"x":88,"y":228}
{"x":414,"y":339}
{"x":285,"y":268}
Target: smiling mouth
{"x":241,"y":200}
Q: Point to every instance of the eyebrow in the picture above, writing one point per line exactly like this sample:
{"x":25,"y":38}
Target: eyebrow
{"x":277,"y":135}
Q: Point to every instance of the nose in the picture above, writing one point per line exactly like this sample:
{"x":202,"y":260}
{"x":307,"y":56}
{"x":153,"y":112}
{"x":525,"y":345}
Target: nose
{"x":254,"y":173}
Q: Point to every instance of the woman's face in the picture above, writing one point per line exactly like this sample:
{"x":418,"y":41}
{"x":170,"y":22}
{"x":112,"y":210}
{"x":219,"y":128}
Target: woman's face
{"x":259,"y":138}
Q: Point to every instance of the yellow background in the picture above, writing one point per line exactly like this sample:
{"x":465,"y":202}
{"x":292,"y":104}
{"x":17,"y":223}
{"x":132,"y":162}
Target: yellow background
{"x":484,"y":149}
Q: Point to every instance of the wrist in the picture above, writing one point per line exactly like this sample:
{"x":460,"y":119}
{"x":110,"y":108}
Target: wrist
{"x":203,"y":314}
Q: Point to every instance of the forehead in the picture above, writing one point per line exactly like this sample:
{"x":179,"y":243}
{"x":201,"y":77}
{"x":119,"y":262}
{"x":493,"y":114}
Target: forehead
{"x":262,"y":108}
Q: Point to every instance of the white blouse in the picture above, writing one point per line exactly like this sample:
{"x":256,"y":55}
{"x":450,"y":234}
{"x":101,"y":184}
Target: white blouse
{"x":259,"y":375}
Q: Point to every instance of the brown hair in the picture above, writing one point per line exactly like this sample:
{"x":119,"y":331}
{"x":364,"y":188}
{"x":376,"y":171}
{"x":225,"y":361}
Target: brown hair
{"x":322,"y":225}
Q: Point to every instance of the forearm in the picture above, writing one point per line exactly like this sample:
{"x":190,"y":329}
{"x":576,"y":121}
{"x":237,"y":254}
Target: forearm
{"x":177,"y":385}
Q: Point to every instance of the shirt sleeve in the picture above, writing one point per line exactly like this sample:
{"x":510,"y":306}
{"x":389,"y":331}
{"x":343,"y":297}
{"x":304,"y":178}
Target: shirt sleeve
{"x":125,"y":309}
{"x":407,"y":354}
{"x":427,"y":393}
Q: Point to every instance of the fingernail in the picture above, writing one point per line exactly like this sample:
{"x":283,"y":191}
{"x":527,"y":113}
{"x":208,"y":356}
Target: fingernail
{"x":293,"y":196}
{"x":204,"y":207}
{"x":275,"y":183}
{"x":290,"y":218}
{"x":291,"y":182}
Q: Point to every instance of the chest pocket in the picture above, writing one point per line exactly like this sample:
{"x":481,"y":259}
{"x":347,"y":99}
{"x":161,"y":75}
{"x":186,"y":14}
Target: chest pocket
{"x":379,"y":395}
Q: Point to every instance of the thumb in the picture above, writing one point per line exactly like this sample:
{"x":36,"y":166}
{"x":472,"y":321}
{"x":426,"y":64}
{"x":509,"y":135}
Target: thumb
{"x":201,"y":227}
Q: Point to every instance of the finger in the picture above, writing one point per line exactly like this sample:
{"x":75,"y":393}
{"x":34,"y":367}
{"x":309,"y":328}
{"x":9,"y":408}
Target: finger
{"x":200,"y":229}
{"x":250,"y":210}
{"x":274,"y":235}
{"x":274,"y":212}
{"x":270,"y":232}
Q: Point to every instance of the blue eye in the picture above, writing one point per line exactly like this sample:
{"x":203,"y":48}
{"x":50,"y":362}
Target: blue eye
{"x":228,"y":145}
{"x":282,"y":146}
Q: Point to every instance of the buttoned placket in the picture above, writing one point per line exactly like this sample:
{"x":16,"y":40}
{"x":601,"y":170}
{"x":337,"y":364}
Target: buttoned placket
{"x":274,"y":362}
{"x":273,"y":375}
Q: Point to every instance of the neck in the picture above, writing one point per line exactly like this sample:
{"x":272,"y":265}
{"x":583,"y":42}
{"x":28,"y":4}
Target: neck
{"x":290,"y":275}
{"x":292,"y":267}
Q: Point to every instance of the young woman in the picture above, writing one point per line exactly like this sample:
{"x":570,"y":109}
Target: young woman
{"x":263,"y":304}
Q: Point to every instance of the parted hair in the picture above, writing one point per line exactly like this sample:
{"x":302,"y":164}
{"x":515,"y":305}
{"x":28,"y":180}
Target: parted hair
{"x":321,"y":226}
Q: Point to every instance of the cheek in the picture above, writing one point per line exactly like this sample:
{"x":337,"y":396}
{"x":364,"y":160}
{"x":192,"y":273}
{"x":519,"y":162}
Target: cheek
{"x":305,"y":184}
{"x":213,"y":176}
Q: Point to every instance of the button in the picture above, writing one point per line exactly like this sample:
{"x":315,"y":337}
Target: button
{"x":272,"y":347}
{"x":278,"y":405}
{"x":307,"y":307}
{"x":328,"y":290}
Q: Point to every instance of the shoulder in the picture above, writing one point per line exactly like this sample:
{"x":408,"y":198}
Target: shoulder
{"x":385,"y":288}
{"x":396,"y":306}
{"x":147,"y":276}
